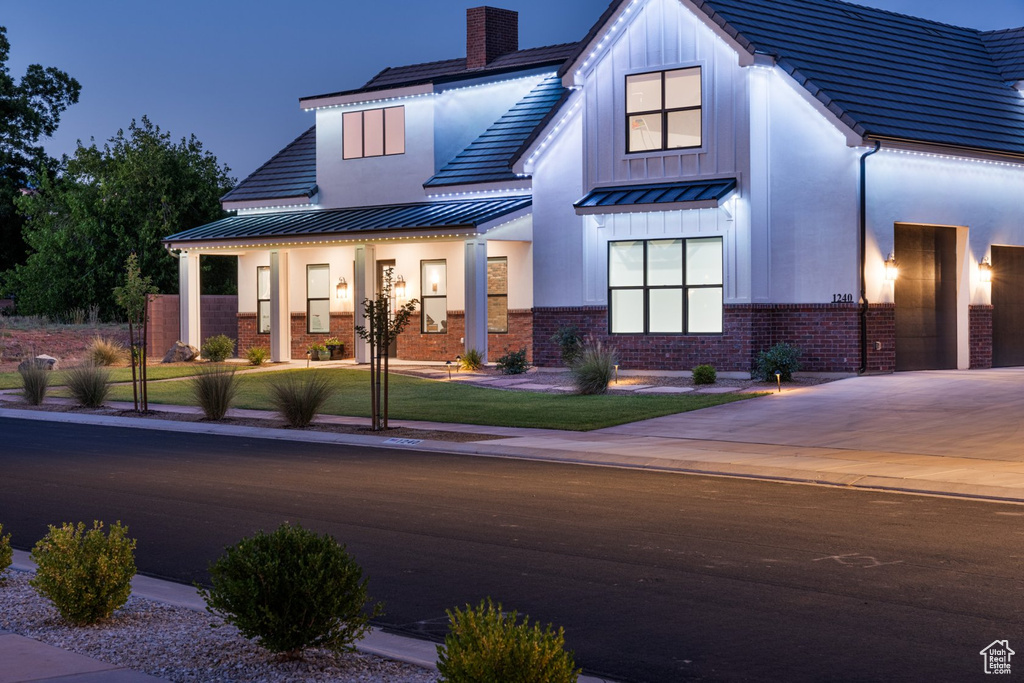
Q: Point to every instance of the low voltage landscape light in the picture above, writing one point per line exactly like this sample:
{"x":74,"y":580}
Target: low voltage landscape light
{"x":448,"y":364}
{"x":341,"y":289}
{"x":778,"y":380}
{"x":985,"y":270}
{"x":892,"y":269}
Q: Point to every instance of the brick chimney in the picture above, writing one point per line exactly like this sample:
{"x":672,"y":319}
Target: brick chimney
{"x":490,"y":33}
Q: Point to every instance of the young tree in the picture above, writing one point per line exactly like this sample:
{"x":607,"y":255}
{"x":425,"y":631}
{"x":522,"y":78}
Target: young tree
{"x":133,"y":297}
{"x":381,"y":330}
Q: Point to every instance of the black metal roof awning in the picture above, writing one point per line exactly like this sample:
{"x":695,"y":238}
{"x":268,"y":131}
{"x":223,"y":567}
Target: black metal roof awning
{"x":420,"y":219}
{"x":697,"y":194}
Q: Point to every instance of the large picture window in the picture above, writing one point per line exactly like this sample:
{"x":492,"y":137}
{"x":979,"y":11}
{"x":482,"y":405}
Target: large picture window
{"x":671,"y":286}
{"x":263,"y":300}
{"x":373,"y":133}
{"x":663,"y":110}
{"x":434,"y":297}
{"x":318,"y":299}
{"x":497,"y":295}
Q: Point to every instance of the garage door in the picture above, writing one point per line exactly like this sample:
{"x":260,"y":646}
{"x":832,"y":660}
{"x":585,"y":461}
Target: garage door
{"x":1007,"y":306}
{"x":925,"y":295}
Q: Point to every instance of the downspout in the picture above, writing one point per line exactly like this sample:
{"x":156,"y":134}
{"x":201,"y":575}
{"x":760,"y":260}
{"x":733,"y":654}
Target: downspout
{"x":863,"y":258}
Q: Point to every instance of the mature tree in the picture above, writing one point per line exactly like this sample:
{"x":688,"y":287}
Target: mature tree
{"x":102,"y":205}
{"x":29,"y":109}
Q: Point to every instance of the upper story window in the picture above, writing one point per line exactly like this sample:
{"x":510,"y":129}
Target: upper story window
{"x":663,"y":110}
{"x":374,"y":132}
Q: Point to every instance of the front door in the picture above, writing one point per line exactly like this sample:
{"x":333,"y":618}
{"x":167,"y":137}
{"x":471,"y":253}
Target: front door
{"x":925,"y":296}
{"x":1007,"y":306}
{"x":382,"y":267}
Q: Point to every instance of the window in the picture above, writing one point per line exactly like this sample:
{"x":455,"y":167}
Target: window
{"x":663,"y":110}
{"x":373,"y":133}
{"x":669,"y":286}
{"x":263,"y":300}
{"x":434,"y":296}
{"x":318,"y":299}
{"x":497,"y":294}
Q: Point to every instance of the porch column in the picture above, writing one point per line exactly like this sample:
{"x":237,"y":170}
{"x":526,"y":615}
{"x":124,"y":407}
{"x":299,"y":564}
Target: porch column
{"x":188,"y":311}
{"x":363,"y":288}
{"x":280,"y":310}
{"x":476,"y":296}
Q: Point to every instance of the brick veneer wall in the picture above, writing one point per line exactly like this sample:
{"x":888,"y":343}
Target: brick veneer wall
{"x":216,"y":312}
{"x":980,"y":334}
{"x":882,"y":329}
{"x":342,"y":327}
{"x":413,"y":345}
{"x":490,"y":33}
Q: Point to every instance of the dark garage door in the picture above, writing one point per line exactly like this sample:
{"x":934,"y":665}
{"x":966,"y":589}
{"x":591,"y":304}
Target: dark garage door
{"x":1007,"y":306}
{"x":925,"y":297}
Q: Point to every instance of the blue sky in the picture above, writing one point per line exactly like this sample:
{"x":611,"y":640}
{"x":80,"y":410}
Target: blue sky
{"x":231,"y":71}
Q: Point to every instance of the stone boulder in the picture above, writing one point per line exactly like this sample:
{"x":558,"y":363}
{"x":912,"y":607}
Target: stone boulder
{"x":180,"y":353}
{"x":41,"y":361}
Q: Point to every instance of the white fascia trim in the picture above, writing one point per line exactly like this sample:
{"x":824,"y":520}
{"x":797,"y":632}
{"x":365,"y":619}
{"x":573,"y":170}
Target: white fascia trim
{"x":311,"y":103}
{"x":514,"y":188}
{"x":314,"y":241}
{"x":547,"y":134}
{"x":499,"y":225}
{"x":258,"y":204}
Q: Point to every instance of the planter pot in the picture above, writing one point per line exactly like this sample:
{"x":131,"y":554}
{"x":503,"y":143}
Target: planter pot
{"x":337,"y":351}
{"x":324,"y":355}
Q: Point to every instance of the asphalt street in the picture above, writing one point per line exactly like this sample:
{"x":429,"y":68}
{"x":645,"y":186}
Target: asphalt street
{"x":655,"y":576}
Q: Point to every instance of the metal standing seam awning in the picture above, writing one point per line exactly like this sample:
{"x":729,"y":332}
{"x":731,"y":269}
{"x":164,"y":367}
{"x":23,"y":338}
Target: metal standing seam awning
{"x":697,"y":194}
{"x":424,"y":219}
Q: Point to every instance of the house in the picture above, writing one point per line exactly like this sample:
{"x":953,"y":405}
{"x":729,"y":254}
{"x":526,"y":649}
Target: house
{"x":692,"y":182}
{"x":997,"y":656}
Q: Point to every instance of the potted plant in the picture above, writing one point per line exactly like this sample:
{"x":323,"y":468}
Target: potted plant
{"x":319,"y":351}
{"x":336,"y":347}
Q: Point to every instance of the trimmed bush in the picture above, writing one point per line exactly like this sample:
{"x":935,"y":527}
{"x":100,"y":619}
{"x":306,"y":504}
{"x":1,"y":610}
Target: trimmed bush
{"x":782,"y":358}
{"x":218,"y":349}
{"x":6,"y":554}
{"x":594,"y":368}
{"x":486,"y":644}
{"x":513,"y":362}
{"x":103,"y":351}
{"x":86,"y":574}
{"x":214,"y":389}
{"x":299,"y":397}
{"x":290,"y":590}
{"x":705,"y":374}
{"x":89,"y":384}
{"x":471,"y":360}
{"x":257,"y":355}
{"x":570,"y":343}
{"x":35,"y":379}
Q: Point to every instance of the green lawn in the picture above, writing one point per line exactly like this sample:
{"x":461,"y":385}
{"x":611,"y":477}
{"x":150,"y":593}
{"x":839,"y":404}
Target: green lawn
{"x":12,"y":380}
{"x":419,"y":399}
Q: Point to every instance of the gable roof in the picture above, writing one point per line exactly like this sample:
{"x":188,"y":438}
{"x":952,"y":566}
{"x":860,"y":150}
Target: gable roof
{"x":291,"y":173}
{"x":489,"y":158}
{"x":1007,"y":50}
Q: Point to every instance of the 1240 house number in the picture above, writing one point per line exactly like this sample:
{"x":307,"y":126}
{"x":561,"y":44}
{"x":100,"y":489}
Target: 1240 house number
{"x":842,"y":298}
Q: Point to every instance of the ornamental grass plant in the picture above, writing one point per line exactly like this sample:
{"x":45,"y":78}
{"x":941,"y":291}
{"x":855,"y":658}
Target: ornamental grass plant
{"x":593,"y":368}
{"x":89,"y":384}
{"x":471,"y":360}
{"x":105,"y":351}
{"x":35,"y":380}
{"x":299,"y":397}
{"x":213,"y":389}
{"x":257,"y":355}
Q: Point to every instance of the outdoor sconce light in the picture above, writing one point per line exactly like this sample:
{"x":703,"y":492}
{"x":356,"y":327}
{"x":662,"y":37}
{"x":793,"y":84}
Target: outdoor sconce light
{"x":341,"y":289}
{"x":400,"y":287}
{"x":433,"y":282}
{"x":892,"y":270}
{"x":985,"y":270}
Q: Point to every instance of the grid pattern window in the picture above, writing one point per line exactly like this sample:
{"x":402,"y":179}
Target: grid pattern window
{"x":318,"y":299}
{"x":497,"y":295}
{"x":373,"y":133}
{"x":669,"y":286}
{"x":263,"y":300}
{"x":434,"y":297}
{"x":663,"y":110}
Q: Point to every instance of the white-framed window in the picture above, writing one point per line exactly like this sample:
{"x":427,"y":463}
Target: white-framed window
{"x":434,"y":297}
{"x":263,"y":300}
{"x":497,"y":294}
{"x":669,"y":286}
{"x":663,"y":110}
{"x":318,"y":299}
{"x":373,"y":133}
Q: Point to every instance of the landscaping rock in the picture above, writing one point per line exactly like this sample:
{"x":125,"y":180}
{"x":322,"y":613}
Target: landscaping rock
{"x":40,"y":361}
{"x":180,"y":353}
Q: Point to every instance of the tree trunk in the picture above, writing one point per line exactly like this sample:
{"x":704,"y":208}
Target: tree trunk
{"x":143,"y":365}
{"x":373,"y":386}
{"x":131,"y":350}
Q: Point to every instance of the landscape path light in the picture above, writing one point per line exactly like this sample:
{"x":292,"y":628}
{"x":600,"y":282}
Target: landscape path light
{"x":778,"y":380}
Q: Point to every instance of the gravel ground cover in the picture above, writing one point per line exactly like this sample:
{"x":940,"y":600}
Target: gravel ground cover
{"x":178,"y":644}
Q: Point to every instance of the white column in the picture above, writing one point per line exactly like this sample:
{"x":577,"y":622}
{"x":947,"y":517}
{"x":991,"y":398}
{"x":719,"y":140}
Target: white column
{"x":363,"y":288}
{"x":476,"y":296}
{"x":188,"y":310}
{"x":280,"y":310}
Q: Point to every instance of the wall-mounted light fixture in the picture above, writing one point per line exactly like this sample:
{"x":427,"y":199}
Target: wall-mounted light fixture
{"x":400,"y":287}
{"x":434,"y":282}
{"x":985,"y":270}
{"x":341,"y":289}
{"x":892,"y":269}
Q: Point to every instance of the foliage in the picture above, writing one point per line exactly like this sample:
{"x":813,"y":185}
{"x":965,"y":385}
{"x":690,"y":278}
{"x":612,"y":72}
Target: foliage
{"x":570,"y":343}
{"x":593,"y":368}
{"x":32,"y":107}
{"x":782,"y":358}
{"x":298,"y":398}
{"x":214,"y":389}
{"x":486,"y":644}
{"x":218,"y":349}
{"x":471,"y":360}
{"x":85,"y":573}
{"x":705,"y":374}
{"x":6,"y":554}
{"x":291,"y":589}
{"x":513,"y":362}
{"x":257,"y":355}
{"x":102,"y":204}
{"x":316,"y":347}
{"x":88,"y":384}
{"x":332,"y":341}
{"x":104,"y":351}
{"x":133,"y":298}
{"x":35,"y":379}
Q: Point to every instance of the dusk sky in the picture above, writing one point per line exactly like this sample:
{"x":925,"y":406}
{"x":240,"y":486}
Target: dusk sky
{"x":231,"y":72}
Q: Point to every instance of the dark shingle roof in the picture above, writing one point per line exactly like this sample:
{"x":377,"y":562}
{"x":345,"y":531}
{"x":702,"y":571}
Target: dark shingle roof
{"x":1007,"y":50}
{"x":289,"y":173}
{"x":660,"y":193}
{"x":489,"y":158}
{"x":424,"y":215}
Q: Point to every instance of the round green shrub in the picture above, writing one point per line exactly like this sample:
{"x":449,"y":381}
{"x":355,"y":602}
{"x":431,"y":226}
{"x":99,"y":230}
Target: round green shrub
{"x":6,"y":554}
{"x":218,"y":349}
{"x":289,"y":590}
{"x":486,"y":644}
{"x":704,"y":374}
{"x":86,"y":574}
{"x":782,"y":358}
{"x":513,"y":362}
